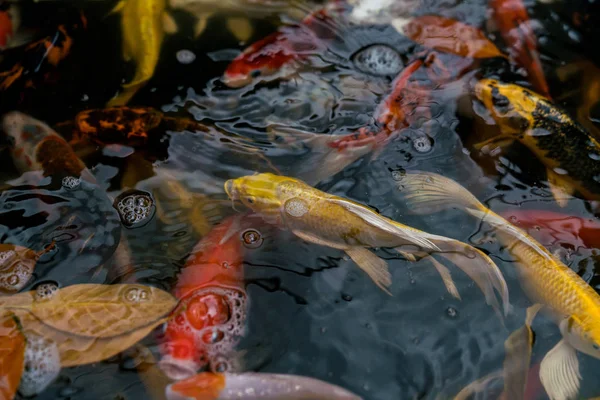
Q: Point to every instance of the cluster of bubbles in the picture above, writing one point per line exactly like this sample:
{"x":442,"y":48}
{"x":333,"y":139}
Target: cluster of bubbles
{"x":46,"y":291}
{"x":41,"y":364}
{"x":135,"y":207}
{"x":214,"y":318}
{"x":137,"y":295}
{"x":70,"y":182}
{"x":16,"y":268}
{"x":422,"y":144}
{"x":379,"y":60}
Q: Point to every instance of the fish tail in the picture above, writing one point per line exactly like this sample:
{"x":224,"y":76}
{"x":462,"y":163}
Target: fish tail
{"x":427,"y":192}
{"x":480,"y":268}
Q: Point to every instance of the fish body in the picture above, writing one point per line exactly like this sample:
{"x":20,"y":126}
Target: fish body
{"x":255,"y":386}
{"x":547,"y":281}
{"x":513,"y":22}
{"x":37,"y":147}
{"x":143,"y":25}
{"x":211,"y":313}
{"x":7,"y":27}
{"x":328,"y":220}
{"x":550,"y":227}
{"x":570,"y":154}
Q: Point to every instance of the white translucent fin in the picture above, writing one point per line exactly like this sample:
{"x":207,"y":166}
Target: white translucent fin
{"x":559,"y":372}
{"x":560,"y":187}
{"x":169,"y":24}
{"x":446,"y":277}
{"x":481,"y":269}
{"x":427,"y":193}
{"x":406,"y":233}
{"x":518,"y":349}
{"x":374,"y":266}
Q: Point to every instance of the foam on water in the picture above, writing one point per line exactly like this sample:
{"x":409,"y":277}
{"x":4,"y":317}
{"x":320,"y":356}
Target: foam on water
{"x":379,"y":60}
{"x":41,"y":364}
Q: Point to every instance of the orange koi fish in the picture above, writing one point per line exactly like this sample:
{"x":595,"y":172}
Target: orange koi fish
{"x":513,"y":22}
{"x":211,"y":313}
{"x":278,"y":53}
{"x":550,"y":227}
{"x":6,"y":28}
{"x":255,"y":386}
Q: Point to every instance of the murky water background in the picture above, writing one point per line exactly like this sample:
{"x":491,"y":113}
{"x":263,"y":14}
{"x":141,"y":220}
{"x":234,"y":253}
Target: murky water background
{"x":312,"y":311}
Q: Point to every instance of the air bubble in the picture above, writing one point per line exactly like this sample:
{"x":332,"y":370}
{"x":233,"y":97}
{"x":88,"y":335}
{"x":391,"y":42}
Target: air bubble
{"x":398,"y":174}
{"x":137,"y":295}
{"x":185,"y":56}
{"x":70,"y":182}
{"x":422,"y":144}
{"x":212,"y":337}
{"x":46,"y":291}
{"x":135,"y":207}
{"x":452,"y":312}
{"x":379,"y":60}
{"x":41,"y":364}
{"x":252,"y":239}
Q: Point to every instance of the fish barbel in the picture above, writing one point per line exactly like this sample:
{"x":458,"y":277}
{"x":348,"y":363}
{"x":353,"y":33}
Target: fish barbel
{"x":570,"y":154}
{"x":545,"y":279}
{"x":328,"y":220}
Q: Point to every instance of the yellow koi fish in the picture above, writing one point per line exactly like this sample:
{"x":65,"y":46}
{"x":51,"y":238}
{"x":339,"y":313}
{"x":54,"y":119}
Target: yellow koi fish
{"x":143,"y":25}
{"x":569,"y":153}
{"x":573,"y":303}
{"x":332,"y":221}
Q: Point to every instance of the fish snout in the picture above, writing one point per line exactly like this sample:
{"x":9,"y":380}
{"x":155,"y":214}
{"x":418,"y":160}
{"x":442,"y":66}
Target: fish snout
{"x":231,"y":190}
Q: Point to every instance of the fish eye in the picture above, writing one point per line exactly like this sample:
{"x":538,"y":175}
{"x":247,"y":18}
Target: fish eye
{"x":596,"y":347}
{"x":499,"y":100}
{"x":250,"y":199}
{"x":255,"y":73}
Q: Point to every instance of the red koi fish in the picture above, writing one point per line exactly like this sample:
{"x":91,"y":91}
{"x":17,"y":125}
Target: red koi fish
{"x":279,"y":52}
{"x":255,"y":386}
{"x":513,"y":22}
{"x":6,"y":28}
{"x":210,"y":317}
{"x":551,"y":227}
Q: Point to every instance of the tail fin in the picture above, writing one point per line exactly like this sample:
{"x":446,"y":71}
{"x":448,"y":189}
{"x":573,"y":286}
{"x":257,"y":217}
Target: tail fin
{"x":427,"y":192}
{"x":324,"y":160}
{"x":480,"y":268}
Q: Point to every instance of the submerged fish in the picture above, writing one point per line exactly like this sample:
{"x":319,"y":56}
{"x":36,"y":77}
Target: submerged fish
{"x":332,"y":221}
{"x":573,"y":303}
{"x":211,"y":314}
{"x":255,"y":386}
{"x":515,"y":27}
{"x":143,"y":24}
{"x":569,"y":153}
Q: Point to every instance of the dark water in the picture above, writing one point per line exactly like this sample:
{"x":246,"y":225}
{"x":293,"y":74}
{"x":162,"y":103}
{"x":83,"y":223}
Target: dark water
{"x":312,"y":311}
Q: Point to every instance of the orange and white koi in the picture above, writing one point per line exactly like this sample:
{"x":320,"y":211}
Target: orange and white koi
{"x":211,"y":314}
{"x":255,"y":386}
{"x":513,"y":22}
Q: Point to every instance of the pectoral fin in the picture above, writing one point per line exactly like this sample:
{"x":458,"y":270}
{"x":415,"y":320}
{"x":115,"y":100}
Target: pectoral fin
{"x":375,"y":267}
{"x":240,"y":27}
{"x":560,"y":187}
{"x":446,"y":277}
{"x":169,"y":24}
{"x":518,"y":349}
{"x":559,"y":372}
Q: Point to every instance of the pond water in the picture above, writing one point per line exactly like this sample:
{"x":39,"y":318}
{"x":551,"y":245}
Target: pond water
{"x":311,"y":311}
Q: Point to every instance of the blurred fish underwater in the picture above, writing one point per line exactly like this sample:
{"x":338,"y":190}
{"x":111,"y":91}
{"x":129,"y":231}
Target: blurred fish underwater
{"x":256,"y":199}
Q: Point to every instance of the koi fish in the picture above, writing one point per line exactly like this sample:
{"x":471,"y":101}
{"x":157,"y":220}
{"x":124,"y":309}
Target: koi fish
{"x":37,"y":147}
{"x":573,"y":303}
{"x":569,"y":153}
{"x":7,"y":26}
{"x":17,"y":264}
{"x":143,"y":24}
{"x":550,"y":227}
{"x":255,"y":386}
{"x":332,"y":221}
{"x":211,"y":314}
{"x":127,"y":125}
{"x":514,"y":25}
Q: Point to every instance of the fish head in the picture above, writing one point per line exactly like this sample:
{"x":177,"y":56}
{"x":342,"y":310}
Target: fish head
{"x":261,"y":192}
{"x":24,"y":134}
{"x":511,"y":106}
{"x":582,"y":334}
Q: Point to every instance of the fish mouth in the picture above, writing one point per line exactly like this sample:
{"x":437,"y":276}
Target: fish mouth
{"x":230,"y":189}
{"x":177,"y":369}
